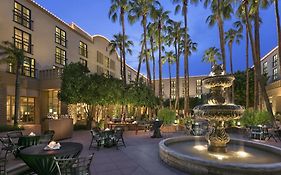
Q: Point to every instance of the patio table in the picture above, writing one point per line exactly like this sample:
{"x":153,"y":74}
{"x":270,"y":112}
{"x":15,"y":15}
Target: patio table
{"x":108,"y":139}
{"x":42,"y":161}
{"x":26,"y":141}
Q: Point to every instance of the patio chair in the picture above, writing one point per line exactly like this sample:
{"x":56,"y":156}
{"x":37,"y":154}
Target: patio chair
{"x":3,"y":161}
{"x":14,"y":136}
{"x":256,"y":132}
{"x":9,"y":147}
{"x":96,"y":138}
{"x":268,"y":134}
{"x":46,"y":137}
{"x":118,"y":136}
{"x":74,"y":166}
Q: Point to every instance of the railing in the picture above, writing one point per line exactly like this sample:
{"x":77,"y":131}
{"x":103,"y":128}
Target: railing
{"x":50,"y":74}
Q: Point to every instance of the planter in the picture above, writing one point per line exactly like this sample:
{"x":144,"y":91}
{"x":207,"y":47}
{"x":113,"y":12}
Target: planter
{"x":169,"y":128}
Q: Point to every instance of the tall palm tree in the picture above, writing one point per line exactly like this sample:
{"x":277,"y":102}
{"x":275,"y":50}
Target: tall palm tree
{"x":170,"y":59}
{"x":117,"y":10}
{"x":182,"y":6}
{"x":141,"y":60}
{"x":276,"y":3}
{"x":160,"y":17}
{"x":232,"y":36}
{"x":221,"y":10}
{"x":174,"y":39}
{"x":140,"y":9}
{"x":244,"y":8}
{"x":212,"y":55}
{"x":15,"y":56}
{"x":117,"y":44}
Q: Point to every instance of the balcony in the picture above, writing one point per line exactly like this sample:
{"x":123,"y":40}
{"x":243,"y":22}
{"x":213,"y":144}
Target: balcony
{"x":50,"y":74}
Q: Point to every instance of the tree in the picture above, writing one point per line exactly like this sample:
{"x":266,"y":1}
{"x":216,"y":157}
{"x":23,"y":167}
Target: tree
{"x":174,"y":39}
{"x":221,"y":10}
{"x":182,"y":5}
{"x":160,"y":16}
{"x":276,"y":3}
{"x":170,"y":59}
{"x":15,"y":56}
{"x":212,"y":55}
{"x":121,"y":7}
{"x":117,"y":44}
{"x":232,"y":36}
{"x":141,"y":10}
{"x":141,"y":60}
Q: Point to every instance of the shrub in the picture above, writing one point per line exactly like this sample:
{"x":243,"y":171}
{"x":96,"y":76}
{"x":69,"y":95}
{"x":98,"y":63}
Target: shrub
{"x":167,"y":116}
{"x":254,"y":118}
{"x":6,"y":128}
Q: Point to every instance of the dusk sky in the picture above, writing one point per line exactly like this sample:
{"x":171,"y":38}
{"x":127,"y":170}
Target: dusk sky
{"x":92,"y":16}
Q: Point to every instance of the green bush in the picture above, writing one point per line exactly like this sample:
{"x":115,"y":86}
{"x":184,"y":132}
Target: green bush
{"x":6,"y":128}
{"x":167,"y":116}
{"x":254,"y":118}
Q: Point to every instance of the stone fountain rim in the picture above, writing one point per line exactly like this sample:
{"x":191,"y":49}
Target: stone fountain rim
{"x":217,"y":164}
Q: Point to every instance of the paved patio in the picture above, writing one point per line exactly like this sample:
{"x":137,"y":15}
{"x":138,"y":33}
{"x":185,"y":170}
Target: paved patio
{"x":140,"y":157}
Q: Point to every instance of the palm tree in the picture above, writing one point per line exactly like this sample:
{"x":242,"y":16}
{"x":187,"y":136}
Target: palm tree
{"x":117,"y":44}
{"x":119,"y":8}
{"x":170,"y":59}
{"x":232,"y":36}
{"x":160,"y":16}
{"x":15,"y":56}
{"x":174,"y":39}
{"x":140,"y":9}
{"x":244,"y":8}
{"x":278,"y":29}
{"x":212,"y":55}
{"x":141,"y":60}
{"x":221,"y":10}
{"x":182,"y":5}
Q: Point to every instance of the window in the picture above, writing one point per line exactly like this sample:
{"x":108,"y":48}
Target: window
{"x":264,"y":67}
{"x":199,"y":90}
{"x":22,"y":15}
{"x":99,"y":57}
{"x":173,"y":91}
{"x":275,"y":61}
{"x":54,"y":104}
{"x":275,"y":74}
{"x":60,"y":37}
{"x":22,"y":40}
{"x":129,"y":76}
{"x":27,"y":109}
{"x":198,"y":82}
{"x":84,"y":62}
{"x":83,"y":49}
{"x":173,"y":84}
{"x":112,"y":65}
{"x":107,"y":62}
{"x":28,"y":67}
{"x":60,"y":56}
{"x":99,"y":70}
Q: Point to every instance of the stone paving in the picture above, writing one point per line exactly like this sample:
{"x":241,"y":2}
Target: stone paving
{"x":139,"y":157}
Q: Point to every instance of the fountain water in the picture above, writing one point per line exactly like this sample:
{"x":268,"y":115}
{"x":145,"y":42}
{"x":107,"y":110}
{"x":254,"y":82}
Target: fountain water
{"x":216,"y":154}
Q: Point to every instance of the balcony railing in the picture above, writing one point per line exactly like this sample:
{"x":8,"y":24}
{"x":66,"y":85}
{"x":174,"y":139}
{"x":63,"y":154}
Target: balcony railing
{"x":51,"y":74}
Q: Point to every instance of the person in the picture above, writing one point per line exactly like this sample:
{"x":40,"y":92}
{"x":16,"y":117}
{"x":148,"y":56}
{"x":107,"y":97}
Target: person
{"x":156,"y":129}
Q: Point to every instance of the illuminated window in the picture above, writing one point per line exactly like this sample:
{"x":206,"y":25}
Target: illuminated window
{"x":54,"y":104}
{"x":60,"y":37}
{"x":84,"y":62}
{"x":198,"y":82}
{"x":129,"y":76}
{"x":264,"y":68}
{"x":83,"y":49}
{"x":22,"y":15}
{"x":28,"y":67}
{"x":275,"y":61}
{"x":275,"y":74}
{"x":60,"y":56}
{"x":173,"y":84}
{"x":22,"y":40}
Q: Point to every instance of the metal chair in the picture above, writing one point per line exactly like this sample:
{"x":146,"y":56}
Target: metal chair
{"x":14,"y":136}
{"x":9,"y":146}
{"x":118,"y":136}
{"x":96,"y":138}
{"x":74,"y":166}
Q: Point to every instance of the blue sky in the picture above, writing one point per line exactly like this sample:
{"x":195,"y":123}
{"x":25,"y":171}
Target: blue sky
{"x":92,"y":16}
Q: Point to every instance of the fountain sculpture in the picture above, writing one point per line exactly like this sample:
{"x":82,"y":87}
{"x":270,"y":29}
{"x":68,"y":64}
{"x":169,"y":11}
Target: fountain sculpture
{"x":217,"y":111}
{"x":216,"y":153}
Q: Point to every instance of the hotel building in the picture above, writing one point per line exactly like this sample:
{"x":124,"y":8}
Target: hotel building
{"x":49,"y":44}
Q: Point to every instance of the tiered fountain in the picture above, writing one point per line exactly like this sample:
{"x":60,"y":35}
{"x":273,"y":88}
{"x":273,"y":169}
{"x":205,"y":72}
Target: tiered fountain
{"x":216,"y":154}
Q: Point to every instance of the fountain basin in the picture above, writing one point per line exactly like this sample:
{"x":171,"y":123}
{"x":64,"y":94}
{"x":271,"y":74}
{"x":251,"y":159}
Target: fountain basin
{"x":218,"y":81}
{"x":257,"y":159}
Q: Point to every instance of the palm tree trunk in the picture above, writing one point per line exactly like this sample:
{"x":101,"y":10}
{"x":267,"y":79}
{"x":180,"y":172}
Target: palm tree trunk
{"x":140,"y":61}
{"x":186,"y":71}
{"x":177,"y":75}
{"x":145,"y":50}
{"x":153,"y":61}
{"x":160,"y":62}
{"x":17,"y":94}
{"x":257,"y":66}
{"x":123,"y":46}
{"x":170,"y":82}
{"x":121,"y":63}
{"x":278,"y":30}
{"x":231,"y":71}
{"x":221,"y":35}
{"x":247,"y":68}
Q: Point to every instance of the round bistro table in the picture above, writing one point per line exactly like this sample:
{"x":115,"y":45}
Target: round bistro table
{"x":42,"y":161}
